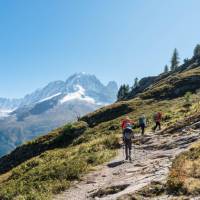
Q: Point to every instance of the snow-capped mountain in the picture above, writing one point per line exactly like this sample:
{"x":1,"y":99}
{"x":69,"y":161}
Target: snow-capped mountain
{"x":52,"y":106}
{"x":9,"y":104}
{"x":79,"y":94}
{"x":89,"y":84}
{"x":5,"y":113}
{"x":80,"y":86}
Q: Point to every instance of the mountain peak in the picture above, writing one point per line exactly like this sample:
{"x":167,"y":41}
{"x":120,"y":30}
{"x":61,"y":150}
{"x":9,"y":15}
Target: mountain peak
{"x":90,"y":83}
{"x":80,"y":75}
{"x":112,"y":84}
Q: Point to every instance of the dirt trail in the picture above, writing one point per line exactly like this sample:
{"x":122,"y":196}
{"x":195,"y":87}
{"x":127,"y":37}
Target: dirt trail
{"x":151,"y":162}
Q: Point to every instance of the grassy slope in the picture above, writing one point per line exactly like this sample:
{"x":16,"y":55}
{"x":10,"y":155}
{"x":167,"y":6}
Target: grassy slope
{"x":184,"y":177}
{"x":174,"y":85}
{"x":50,"y":163}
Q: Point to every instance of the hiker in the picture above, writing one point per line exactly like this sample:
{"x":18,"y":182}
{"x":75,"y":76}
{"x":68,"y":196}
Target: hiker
{"x":127,"y":126}
{"x":157,"y":119}
{"x":142,"y":123}
{"x":126,"y":121}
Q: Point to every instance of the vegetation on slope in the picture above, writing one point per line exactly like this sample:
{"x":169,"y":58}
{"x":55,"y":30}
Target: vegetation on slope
{"x":175,"y":85}
{"x":54,"y":169}
{"x":184,"y":177}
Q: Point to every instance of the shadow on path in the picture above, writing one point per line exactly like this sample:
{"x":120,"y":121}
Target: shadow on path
{"x":115,"y":164}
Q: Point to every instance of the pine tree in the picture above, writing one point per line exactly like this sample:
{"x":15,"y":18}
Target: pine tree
{"x":185,"y":60}
{"x":123,"y":92}
{"x":166,"y":69}
{"x":174,"y":60}
{"x":136,"y":83}
{"x":197,"y":50}
{"x":127,"y":88}
{"x":119,"y":94}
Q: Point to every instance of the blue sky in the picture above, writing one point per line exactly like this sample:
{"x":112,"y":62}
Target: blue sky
{"x":47,"y":40}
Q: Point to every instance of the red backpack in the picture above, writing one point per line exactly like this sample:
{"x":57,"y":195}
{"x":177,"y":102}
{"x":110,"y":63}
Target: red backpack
{"x":159,"y":116}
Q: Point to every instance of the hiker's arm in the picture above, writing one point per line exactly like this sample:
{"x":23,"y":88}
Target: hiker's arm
{"x":134,"y":126}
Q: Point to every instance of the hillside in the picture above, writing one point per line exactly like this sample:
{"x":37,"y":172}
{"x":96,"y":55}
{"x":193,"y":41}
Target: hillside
{"x":145,"y":177}
{"x":50,"y":164}
{"x":169,"y":85}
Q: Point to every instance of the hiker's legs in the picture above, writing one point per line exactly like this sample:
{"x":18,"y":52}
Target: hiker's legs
{"x":129,"y":148}
{"x":155,"y":127}
{"x":159,"y":125}
{"x":126,"y":149}
{"x":143,"y":128}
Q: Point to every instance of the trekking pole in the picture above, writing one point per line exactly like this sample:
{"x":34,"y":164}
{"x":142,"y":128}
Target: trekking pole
{"x":123,"y":149}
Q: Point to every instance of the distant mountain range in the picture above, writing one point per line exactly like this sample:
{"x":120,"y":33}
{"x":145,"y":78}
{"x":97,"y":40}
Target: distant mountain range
{"x":50,"y":107}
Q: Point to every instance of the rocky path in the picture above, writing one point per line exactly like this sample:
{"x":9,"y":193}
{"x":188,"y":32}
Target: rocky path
{"x":151,"y":161}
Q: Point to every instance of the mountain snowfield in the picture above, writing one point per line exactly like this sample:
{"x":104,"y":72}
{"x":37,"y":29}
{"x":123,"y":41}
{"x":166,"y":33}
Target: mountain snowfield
{"x":79,"y":94}
{"x":50,"y":107}
{"x":5,"y":113}
{"x":48,"y":98}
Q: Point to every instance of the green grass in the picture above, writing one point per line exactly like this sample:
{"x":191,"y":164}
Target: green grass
{"x":53,"y":170}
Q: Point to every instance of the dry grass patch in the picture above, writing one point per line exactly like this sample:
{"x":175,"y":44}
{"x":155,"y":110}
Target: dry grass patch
{"x":184,"y":177}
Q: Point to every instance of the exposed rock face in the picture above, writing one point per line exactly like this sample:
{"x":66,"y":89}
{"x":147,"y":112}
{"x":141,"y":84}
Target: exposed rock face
{"x":143,"y":84}
{"x":9,"y":103}
{"x":112,"y":89}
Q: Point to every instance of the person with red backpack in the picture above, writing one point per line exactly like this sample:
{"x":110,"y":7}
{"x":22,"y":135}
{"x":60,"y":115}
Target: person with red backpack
{"x":127,"y":131}
{"x":126,"y":121}
{"x":157,"y":119}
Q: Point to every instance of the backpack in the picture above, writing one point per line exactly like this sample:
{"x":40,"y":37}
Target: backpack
{"x":142,"y":120}
{"x":128,"y":133}
{"x":157,"y":116}
{"x":128,"y":126}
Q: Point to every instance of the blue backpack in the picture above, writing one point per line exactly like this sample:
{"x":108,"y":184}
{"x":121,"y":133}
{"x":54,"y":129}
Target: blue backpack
{"x":128,"y":133}
{"x":142,"y":120}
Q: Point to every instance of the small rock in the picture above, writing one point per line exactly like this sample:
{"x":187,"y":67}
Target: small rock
{"x":116,"y":173}
{"x":91,"y":182}
{"x":138,"y":165}
{"x":135,"y":169}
